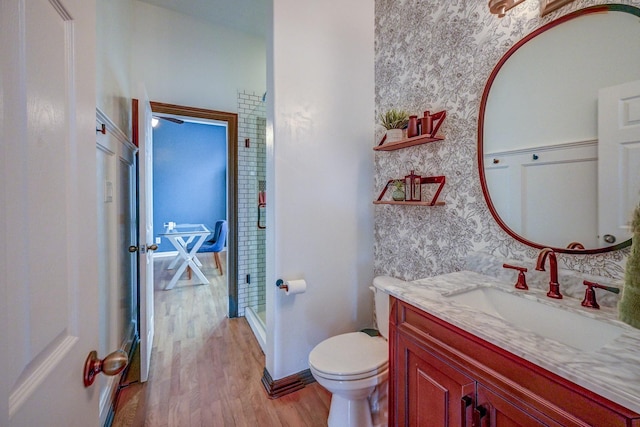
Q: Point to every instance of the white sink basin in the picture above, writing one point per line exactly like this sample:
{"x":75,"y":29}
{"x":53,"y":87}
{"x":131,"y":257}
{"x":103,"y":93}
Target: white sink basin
{"x":581,"y":332}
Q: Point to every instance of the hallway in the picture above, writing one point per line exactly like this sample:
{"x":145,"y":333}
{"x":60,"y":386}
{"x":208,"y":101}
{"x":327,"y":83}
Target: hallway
{"x":206,"y":368}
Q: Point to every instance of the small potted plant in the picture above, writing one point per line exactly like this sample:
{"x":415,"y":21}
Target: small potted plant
{"x":394,"y":121}
{"x":398,"y":190}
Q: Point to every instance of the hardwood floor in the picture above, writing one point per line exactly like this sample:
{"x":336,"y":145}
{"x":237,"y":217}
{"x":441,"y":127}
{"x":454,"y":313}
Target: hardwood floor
{"x":206,"y":368}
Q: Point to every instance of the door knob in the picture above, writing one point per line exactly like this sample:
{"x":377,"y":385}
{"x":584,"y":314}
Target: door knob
{"x":149,"y":248}
{"x":113,"y":364}
{"x":609,"y":238}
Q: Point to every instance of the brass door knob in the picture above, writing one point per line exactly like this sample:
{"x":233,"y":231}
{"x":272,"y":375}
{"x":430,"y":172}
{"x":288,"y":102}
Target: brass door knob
{"x":149,"y":248}
{"x":113,"y":364}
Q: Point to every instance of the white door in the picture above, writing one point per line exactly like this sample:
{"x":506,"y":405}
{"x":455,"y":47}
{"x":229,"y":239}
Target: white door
{"x":48,"y":261}
{"x":145,"y":229}
{"x":618,"y":160}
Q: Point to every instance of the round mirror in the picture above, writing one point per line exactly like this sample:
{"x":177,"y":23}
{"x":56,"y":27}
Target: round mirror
{"x":559,"y":132}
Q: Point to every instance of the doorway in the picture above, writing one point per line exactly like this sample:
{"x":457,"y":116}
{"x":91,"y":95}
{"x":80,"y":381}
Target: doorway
{"x":231,"y":120}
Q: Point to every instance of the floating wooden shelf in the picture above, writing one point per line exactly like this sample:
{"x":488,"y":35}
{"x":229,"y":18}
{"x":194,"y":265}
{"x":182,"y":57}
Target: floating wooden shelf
{"x":393,"y":202}
{"x":423,"y":180}
{"x":409,"y":142}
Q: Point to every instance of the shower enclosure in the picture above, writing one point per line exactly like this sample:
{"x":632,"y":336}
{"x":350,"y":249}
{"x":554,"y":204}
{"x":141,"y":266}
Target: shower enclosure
{"x":252,"y":199}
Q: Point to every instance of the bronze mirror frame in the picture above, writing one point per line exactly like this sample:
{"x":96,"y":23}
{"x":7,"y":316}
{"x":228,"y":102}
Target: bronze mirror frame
{"x":481,"y":118}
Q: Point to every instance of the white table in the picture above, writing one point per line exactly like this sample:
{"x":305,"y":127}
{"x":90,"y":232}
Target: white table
{"x":180,"y":236}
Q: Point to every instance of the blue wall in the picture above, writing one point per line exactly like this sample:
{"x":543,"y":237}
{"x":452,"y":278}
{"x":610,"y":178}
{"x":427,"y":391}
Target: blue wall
{"x":189,"y":175}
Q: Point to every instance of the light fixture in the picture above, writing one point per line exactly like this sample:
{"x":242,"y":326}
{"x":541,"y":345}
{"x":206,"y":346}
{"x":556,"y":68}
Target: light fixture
{"x":500,"y":7}
{"x":548,"y":6}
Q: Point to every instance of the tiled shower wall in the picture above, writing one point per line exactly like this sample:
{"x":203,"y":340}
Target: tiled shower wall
{"x":251,"y":174}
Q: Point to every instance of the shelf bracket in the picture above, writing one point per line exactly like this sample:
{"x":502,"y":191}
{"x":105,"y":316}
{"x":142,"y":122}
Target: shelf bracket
{"x":434,"y":180}
{"x":384,"y":190}
{"x":424,"y":180}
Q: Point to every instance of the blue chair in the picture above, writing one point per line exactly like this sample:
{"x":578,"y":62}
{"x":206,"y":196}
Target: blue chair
{"x":216,"y":232}
{"x":216,"y":243}
{"x":212,"y":237}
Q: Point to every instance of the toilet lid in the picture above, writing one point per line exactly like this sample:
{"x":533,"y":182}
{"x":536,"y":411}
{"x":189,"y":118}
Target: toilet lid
{"x":350,"y":355}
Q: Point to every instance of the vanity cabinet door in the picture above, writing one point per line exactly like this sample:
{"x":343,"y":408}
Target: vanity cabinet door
{"x":443,"y":376}
{"x":430,"y":392}
{"x":500,"y":412}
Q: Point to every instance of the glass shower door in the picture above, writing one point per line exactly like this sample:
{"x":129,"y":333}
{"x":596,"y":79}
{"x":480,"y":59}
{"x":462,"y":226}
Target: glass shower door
{"x":252,"y":200}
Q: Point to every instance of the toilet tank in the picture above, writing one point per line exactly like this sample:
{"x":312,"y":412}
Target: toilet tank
{"x":381,"y":302}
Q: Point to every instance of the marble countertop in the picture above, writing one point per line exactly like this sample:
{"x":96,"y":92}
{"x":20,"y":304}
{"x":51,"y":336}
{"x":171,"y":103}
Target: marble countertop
{"x":612,"y":371}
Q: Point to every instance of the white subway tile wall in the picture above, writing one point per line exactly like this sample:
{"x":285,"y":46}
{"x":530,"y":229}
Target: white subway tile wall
{"x":251,"y":179}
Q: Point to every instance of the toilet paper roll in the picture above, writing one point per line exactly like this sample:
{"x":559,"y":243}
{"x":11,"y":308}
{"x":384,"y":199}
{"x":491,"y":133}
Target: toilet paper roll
{"x":295,"y":286}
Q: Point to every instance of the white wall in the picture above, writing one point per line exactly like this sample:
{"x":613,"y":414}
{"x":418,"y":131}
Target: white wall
{"x":114,"y":28}
{"x":320,"y":123}
{"x":555,"y":77}
{"x":181,"y":60}
{"x":188,"y":62}
{"x":321,"y":96}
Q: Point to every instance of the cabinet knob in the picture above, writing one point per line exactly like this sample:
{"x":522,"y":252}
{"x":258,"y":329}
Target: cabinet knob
{"x":466,"y":407}
{"x":480,"y":417}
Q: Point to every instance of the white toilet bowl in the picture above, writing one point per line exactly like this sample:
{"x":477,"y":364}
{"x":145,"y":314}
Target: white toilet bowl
{"x":350,"y":366}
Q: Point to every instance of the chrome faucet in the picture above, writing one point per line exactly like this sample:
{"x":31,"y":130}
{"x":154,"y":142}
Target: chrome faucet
{"x":554,"y":286}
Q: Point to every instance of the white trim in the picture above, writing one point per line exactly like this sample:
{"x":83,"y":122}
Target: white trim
{"x":113,"y":129}
{"x":257,"y":327}
{"x":562,"y":146}
{"x":164,"y":254}
{"x":107,"y":397}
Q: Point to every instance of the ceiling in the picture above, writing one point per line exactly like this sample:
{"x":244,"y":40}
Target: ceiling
{"x":248,"y":16}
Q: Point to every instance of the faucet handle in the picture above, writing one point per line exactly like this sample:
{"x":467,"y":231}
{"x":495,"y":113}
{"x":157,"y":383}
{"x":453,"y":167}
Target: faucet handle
{"x":522,"y":280}
{"x":590,"y":294}
{"x":575,"y":245}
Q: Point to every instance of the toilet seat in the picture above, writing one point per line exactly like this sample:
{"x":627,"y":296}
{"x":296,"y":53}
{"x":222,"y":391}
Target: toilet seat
{"x":350,"y":357}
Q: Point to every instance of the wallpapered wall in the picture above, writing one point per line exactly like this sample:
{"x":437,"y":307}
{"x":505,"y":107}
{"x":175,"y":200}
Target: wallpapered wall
{"x":434,"y":55}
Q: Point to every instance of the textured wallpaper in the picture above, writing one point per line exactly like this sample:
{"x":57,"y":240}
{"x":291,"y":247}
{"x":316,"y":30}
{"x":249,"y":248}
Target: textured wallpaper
{"x":435,"y":55}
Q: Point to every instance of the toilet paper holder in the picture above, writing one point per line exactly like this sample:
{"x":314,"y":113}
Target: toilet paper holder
{"x":292,"y":287}
{"x":282,"y":285}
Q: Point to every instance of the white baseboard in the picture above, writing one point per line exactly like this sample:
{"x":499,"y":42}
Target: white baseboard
{"x":171,"y":254}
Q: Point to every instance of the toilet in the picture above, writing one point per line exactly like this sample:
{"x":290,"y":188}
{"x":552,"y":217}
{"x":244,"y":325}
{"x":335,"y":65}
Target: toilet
{"x":354,"y":367}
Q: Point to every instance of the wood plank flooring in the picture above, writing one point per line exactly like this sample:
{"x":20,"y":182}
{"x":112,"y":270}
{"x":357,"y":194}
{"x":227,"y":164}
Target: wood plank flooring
{"x":206,"y":368}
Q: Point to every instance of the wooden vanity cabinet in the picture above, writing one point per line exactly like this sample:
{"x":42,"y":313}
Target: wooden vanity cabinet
{"x":441,"y":375}
{"x":433,"y":390}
